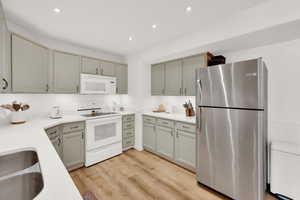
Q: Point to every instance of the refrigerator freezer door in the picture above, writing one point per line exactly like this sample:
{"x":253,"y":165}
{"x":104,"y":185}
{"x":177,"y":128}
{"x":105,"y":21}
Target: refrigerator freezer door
{"x":229,"y":146}
{"x":237,"y":85}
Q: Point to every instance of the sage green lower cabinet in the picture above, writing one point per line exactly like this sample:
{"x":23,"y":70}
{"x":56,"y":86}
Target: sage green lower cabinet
{"x":55,"y":135}
{"x":165,"y":142}
{"x":68,"y":141}
{"x":185,"y":148}
{"x":128,"y":131}
{"x":149,"y":137}
{"x":73,"y":149}
{"x":173,"y":140}
{"x":66,"y":72}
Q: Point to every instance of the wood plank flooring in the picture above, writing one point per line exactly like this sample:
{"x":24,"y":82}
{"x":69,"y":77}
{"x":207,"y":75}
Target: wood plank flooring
{"x":140,"y":175}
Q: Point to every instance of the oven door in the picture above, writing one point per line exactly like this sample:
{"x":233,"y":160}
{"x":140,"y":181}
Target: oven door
{"x":103,"y":131}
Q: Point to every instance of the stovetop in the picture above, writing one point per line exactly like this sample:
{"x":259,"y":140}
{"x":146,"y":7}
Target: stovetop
{"x":98,"y":114}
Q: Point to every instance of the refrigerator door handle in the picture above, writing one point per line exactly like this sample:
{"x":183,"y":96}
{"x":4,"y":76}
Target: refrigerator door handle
{"x":200,"y":90}
{"x":198,"y":120}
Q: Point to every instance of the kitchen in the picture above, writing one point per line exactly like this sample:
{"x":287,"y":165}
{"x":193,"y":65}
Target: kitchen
{"x":148,"y":78}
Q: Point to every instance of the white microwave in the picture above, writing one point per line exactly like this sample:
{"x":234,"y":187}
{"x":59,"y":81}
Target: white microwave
{"x":95,"y":84}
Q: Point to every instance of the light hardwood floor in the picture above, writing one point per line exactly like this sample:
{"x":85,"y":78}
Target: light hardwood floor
{"x":140,"y":175}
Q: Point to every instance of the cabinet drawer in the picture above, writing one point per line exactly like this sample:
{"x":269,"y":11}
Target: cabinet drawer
{"x":52,"y":132}
{"x":73,"y":127}
{"x":165,"y":122}
{"x":128,"y":142}
{"x":148,"y":119}
{"x":128,"y":133}
{"x":128,"y":125}
{"x":185,"y":127}
{"x":128,"y":118}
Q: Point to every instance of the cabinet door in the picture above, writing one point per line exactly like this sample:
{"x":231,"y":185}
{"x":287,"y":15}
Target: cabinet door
{"x":90,"y":66}
{"x":5,"y":55}
{"x":56,"y":142}
{"x":66,"y":72}
{"x":173,"y":76}
{"x":73,"y":149}
{"x":149,"y":137}
{"x":121,"y":73}
{"x":185,"y":148}
{"x":189,"y":67}
{"x":165,"y":142}
{"x":107,"y":68}
{"x":157,"y":79}
{"x":29,"y":66}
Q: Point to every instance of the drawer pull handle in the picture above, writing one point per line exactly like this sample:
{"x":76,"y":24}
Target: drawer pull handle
{"x":185,"y":127}
{"x":74,"y":127}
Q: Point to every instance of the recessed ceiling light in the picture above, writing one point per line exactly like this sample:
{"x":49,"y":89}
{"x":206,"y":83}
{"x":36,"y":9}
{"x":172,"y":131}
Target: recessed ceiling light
{"x":130,"y":38}
{"x":188,"y":9}
{"x":154,"y":26}
{"x":56,"y":10}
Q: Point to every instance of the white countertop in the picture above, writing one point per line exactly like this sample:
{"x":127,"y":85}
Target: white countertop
{"x":31,"y":135}
{"x":176,"y":117}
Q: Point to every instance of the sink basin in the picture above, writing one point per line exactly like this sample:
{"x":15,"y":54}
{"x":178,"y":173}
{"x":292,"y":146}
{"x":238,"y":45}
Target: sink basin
{"x":21,"y":187}
{"x":14,"y":162}
{"x":20,"y":176}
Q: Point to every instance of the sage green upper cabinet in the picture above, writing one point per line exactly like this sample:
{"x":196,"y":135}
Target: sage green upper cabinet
{"x":189,"y":66}
{"x":90,"y":66}
{"x":5,"y":55}
{"x":173,"y":75}
{"x":29,"y":66}
{"x":66,"y":72}
{"x":107,"y":68}
{"x":121,"y":73}
{"x":157,"y":79}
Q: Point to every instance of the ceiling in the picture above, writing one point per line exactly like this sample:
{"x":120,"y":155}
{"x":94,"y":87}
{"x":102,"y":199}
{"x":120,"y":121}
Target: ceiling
{"x":108,"y":24}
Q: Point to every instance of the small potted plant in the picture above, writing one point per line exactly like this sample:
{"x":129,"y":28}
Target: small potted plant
{"x":18,"y":115}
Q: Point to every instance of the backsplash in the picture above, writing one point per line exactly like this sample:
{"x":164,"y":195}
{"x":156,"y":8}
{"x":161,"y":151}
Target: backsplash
{"x":173,"y":103}
{"x":41,"y":104}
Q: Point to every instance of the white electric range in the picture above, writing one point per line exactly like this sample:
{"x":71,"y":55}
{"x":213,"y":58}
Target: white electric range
{"x":103,"y":135}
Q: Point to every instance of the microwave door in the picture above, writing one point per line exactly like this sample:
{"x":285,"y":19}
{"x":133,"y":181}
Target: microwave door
{"x":94,"y":87}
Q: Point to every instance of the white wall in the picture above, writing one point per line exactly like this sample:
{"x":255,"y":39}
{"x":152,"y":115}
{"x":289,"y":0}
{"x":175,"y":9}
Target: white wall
{"x":284,"y":81}
{"x":41,"y":104}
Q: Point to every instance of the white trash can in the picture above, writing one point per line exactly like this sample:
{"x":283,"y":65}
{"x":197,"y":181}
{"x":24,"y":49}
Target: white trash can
{"x":285,"y":169}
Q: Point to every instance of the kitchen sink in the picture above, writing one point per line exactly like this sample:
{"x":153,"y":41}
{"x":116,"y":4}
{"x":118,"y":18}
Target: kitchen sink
{"x":22,"y":187}
{"x":20,"y":176}
{"x":14,"y":162}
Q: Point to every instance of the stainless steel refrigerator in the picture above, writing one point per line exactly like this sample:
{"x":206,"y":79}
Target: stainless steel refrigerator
{"x":232,"y":129}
